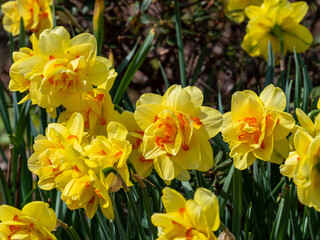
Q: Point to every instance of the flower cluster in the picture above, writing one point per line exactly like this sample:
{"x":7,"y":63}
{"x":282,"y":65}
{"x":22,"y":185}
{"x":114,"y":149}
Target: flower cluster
{"x":67,"y":159}
{"x":276,"y":21}
{"x":36,"y":15}
{"x":192,"y":219}
{"x":59,"y":70}
{"x":35,"y":221}
{"x":257,"y":127}
{"x":303,"y":164}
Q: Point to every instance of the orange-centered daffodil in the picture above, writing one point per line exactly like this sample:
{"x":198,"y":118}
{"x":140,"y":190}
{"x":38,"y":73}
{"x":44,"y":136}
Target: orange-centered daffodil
{"x":59,"y":70}
{"x":176,"y":130}
{"x":257,"y":127}
{"x":192,"y":219}
{"x":35,"y":221}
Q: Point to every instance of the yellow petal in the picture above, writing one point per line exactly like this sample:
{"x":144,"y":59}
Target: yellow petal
{"x":166,"y":168}
{"x":299,"y":11}
{"x":145,"y":114}
{"x":302,"y":142}
{"x":305,"y":121}
{"x":273,"y":98}
{"x":285,"y":125}
{"x":7,"y":213}
{"x":288,"y":168}
{"x":75,"y":126}
{"x":264,"y":152}
{"x":172,"y":200}
{"x":296,"y":37}
{"x":149,"y":98}
{"x":197,"y":216}
{"x":244,"y":161}
{"x":195,"y":94}
{"x":116,"y":131}
{"x":211,"y":120}
{"x":41,"y":212}
{"x":210,"y":206}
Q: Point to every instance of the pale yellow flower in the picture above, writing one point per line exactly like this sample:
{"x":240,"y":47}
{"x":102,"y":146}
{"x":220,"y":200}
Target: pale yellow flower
{"x":257,"y":127}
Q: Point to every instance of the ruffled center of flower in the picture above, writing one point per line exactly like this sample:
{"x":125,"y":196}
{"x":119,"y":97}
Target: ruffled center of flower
{"x":248,"y":130}
{"x":167,"y":130}
{"x":62,"y":74}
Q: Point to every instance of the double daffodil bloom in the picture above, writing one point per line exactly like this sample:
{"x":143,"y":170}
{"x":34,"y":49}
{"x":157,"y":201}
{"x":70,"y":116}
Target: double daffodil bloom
{"x":257,"y":127}
{"x":303,"y":166}
{"x":275,"y":20}
{"x":111,"y":151}
{"x":36,"y":15}
{"x":85,"y":188}
{"x":192,"y":219}
{"x":59,"y":70}
{"x":35,"y":221}
{"x":235,"y":8}
{"x":54,"y":152}
{"x":176,"y":131}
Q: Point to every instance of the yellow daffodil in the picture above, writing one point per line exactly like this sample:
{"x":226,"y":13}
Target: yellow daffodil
{"x":112,"y":151}
{"x":35,"y":221}
{"x":235,"y":8}
{"x":192,"y":219}
{"x":59,"y":70}
{"x":303,"y":166}
{"x":176,"y":131}
{"x":257,"y":127}
{"x":83,"y":188}
{"x":275,"y":20}
{"x":36,"y":15}
{"x":54,"y":151}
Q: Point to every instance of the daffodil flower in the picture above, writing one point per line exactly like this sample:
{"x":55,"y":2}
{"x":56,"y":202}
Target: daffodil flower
{"x":36,"y":15}
{"x":59,"y":70}
{"x":35,"y":221}
{"x":176,"y":131}
{"x":257,"y":127}
{"x":54,"y":151}
{"x":275,"y":21}
{"x":192,"y":219}
{"x":303,"y":166}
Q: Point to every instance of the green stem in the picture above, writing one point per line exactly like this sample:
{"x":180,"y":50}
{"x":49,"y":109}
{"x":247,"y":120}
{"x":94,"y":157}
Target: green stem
{"x":237,"y":202}
{"x":130,"y":198}
{"x":70,"y":230}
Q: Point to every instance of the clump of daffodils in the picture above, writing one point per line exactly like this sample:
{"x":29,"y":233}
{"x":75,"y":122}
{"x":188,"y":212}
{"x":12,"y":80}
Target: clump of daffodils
{"x":303,"y":164}
{"x":256,"y":127}
{"x":59,"y":70}
{"x":192,"y":219}
{"x":175,"y":130}
{"x":35,"y":221}
{"x":276,"y":21}
{"x":67,"y":159}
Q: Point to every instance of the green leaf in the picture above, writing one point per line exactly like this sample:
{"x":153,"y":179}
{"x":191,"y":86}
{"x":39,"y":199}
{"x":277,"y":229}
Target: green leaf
{"x":297,"y":92}
{"x":236,"y":201}
{"x":134,"y":66}
{"x":199,"y":64}
{"x":183,"y":78}
{"x":4,"y":110}
{"x":270,"y":68}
